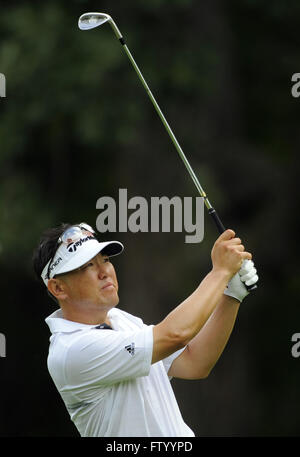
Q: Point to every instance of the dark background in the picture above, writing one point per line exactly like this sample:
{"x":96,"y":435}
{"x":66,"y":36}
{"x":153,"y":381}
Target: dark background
{"x":76,"y":125}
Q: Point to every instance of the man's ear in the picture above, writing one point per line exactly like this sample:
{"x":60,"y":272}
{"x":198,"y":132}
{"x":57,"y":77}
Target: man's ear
{"x":57,"y":288}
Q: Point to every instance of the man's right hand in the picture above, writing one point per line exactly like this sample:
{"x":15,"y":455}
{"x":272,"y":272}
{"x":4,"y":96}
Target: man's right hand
{"x":228,"y":253}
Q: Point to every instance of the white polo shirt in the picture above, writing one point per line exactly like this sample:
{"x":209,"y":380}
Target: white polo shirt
{"x":106,"y":379}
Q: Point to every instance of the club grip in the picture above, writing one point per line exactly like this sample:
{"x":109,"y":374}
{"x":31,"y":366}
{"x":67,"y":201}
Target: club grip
{"x":249,"y":288}
{"x":217,"y":220}
{"x":222,"y":229}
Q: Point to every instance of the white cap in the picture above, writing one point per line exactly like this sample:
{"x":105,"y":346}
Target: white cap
{"x":74,"y":255}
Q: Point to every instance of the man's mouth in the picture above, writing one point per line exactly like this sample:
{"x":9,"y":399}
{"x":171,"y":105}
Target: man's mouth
{"x":108,"y":285}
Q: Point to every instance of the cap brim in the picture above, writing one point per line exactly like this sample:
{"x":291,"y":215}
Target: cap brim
{"x":91,"y":249}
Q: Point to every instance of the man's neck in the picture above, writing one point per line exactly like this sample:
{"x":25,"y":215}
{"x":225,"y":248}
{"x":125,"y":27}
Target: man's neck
{"x":94,"y":317}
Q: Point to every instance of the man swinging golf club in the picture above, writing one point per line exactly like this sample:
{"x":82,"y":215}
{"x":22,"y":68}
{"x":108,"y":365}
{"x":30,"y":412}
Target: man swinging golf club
{"x":113,"y":371}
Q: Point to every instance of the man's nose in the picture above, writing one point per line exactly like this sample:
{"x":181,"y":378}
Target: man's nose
{"x":102,"y":271}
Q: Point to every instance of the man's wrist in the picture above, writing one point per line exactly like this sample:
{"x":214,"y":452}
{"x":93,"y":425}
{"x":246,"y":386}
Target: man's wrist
{"x":230,"y":300}
{"x":236,"y":288}
{"x":221,"y":274}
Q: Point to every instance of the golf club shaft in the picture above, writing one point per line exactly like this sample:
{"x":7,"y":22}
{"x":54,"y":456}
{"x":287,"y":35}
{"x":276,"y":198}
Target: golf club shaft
{"x":199,"y":188}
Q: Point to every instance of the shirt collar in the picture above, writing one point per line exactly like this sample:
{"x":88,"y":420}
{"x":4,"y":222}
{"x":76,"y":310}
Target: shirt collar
{"x":57,"y":324}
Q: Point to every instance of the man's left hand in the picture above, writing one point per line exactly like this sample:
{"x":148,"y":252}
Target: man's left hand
{"x":246,"y":275}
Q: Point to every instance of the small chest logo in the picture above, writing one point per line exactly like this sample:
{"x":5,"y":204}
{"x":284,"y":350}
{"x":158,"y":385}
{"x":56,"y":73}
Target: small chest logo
{"x":130,"y":348}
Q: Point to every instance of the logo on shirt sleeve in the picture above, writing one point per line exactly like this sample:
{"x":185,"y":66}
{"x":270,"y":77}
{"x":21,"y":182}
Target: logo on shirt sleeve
{"x":130,"y":348}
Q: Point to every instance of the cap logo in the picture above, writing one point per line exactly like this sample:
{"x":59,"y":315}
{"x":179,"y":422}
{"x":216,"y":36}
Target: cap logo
{"x":72,"y":247}
{"x":55,"y":263}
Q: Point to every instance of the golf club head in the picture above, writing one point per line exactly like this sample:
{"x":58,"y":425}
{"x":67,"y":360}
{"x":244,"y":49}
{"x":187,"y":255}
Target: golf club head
{"x":88,"y":21}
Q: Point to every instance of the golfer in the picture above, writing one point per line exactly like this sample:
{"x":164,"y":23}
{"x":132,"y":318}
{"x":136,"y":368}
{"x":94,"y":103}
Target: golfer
{"x":112,"y":371}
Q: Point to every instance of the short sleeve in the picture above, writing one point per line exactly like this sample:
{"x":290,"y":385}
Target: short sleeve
{"x":107,"y":356}
{"x":169,"y":360}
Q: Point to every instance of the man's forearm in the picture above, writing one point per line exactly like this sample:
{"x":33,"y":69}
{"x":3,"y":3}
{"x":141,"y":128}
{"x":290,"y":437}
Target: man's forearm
{"x":207,"y":346}
{"x":189,"y":317}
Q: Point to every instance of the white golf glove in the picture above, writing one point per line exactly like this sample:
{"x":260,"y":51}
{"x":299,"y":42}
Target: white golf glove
{"x":246,"y":275}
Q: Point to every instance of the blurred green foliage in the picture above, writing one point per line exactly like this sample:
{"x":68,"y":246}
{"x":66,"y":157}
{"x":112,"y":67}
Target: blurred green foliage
{"x":76,"y":125}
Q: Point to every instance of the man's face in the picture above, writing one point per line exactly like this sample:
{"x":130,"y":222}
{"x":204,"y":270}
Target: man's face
{"x":94,"y":285}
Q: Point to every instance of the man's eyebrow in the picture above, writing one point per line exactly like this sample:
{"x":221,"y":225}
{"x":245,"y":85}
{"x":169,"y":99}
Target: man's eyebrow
{"x":94,"y":258}
{"x":102,"y":255}
{"x":86,"y":263}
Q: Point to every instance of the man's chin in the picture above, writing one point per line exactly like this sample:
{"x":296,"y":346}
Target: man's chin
{"x":116,"y":302}
{"x":112,"y":301}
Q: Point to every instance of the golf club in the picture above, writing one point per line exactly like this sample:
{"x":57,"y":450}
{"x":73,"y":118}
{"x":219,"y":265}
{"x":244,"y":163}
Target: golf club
{"x":88,"y":21}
